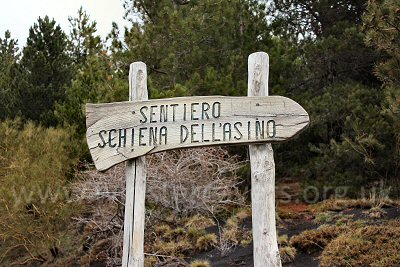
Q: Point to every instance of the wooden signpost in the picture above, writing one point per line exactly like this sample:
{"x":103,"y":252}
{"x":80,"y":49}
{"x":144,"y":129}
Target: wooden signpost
{"x":127,"y":131}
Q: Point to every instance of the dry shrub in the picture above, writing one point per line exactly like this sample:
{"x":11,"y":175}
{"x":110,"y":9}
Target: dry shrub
{"x":192,"y":181}
{"x":315,"y":240}
{"x":364,"y":246}
{"x":103,"y":194}
{"x":186,"y":181}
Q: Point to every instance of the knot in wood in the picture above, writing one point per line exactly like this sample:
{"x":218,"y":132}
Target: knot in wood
{"x":269,"y":165}
{"x":257,"y":79}
{"x":139,"y":76}
{"x":140,"y":85}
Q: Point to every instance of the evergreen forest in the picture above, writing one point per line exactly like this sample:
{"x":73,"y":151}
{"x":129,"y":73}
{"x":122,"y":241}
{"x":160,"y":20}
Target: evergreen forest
{"x":340,"y":60}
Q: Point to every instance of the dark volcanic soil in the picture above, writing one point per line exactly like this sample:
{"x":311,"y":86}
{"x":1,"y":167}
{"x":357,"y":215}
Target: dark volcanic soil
{"x":243,"y":256}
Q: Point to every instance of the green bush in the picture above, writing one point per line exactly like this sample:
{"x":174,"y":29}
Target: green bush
{"x":34,"y":192}
{"x":353,"y":141}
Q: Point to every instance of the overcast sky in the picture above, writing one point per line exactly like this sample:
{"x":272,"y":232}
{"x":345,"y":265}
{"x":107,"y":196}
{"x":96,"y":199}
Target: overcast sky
{"x":18,"y":16}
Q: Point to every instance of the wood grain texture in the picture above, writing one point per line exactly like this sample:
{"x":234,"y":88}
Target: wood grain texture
{"x":124,"y":130}
{"x":135,"y":173}
{"x":266,"y":252}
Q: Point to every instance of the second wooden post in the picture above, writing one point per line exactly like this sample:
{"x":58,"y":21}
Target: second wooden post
{"x":266,"y":252}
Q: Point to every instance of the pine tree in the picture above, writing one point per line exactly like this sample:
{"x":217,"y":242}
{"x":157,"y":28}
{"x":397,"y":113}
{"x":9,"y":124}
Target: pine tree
{"x":9,"y":77}
{"x":350,"y":141}
{"x":83,"y":39}
{"x":330,"y":41}
{"x":200,"y":45}
{"x":310,"y":19}
{"x":96,"y":78}
{"x":382,"y":24}
{"x":46,"y":67}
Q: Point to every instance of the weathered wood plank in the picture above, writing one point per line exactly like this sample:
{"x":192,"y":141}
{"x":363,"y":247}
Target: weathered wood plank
{"x":120,"y":131}
{"x":135,"y":173}
{"x":266,"y":253}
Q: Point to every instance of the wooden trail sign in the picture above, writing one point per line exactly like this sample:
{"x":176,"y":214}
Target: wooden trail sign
{"x":120,"y":131}
{"x":127,"y":131}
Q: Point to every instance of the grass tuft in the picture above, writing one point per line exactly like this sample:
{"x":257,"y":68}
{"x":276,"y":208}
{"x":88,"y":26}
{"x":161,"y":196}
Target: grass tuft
{"x":311,"y":241}
{"x":200,"y":222}
{"x":162,"y":229}
{"x":198,"y":263}
{"x":287,"y":254}
{"x":206,"y":242}
{"x":172,"y":248}
{"x":283,"y":240}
